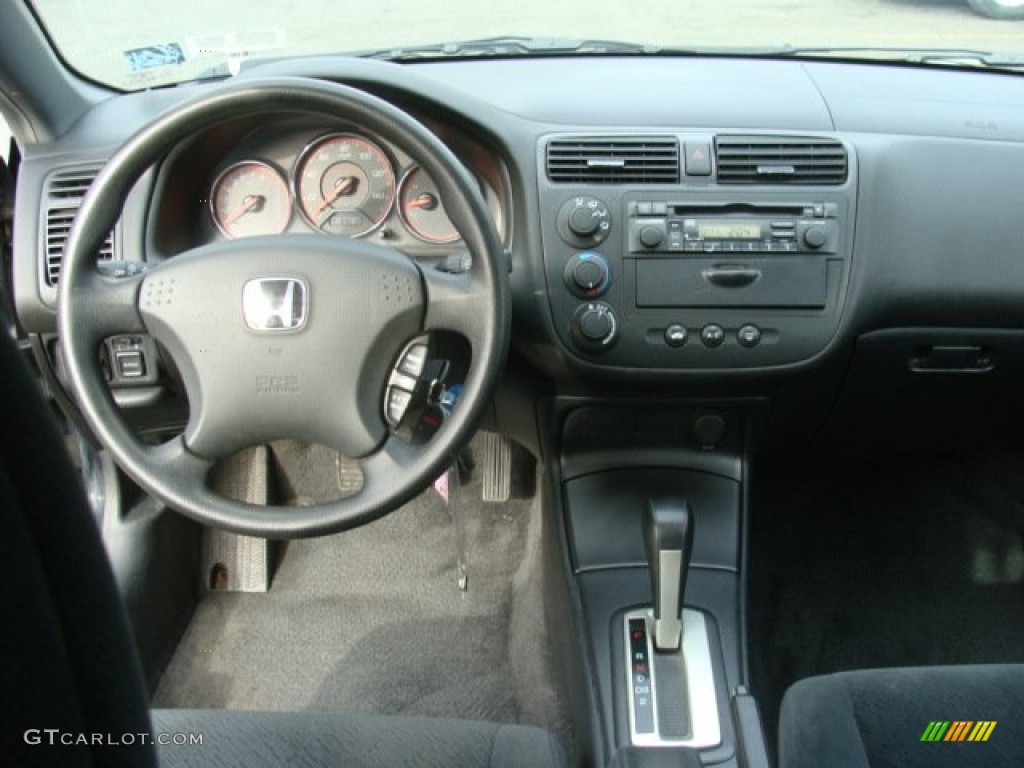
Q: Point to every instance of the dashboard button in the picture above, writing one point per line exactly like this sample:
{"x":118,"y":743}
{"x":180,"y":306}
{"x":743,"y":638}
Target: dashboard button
{"x":698,"y":158}
{"x":676,"y":335}
{"x":712,"y":335}
{"x":749,"y":336}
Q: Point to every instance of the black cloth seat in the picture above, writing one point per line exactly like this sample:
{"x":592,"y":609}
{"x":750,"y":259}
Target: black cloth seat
{"x":71,"y":682}
{"x":878,"y":717}
{"x":270,"y":739}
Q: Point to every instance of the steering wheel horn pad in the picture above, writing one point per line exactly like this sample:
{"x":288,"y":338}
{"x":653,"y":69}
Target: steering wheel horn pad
{"x":317,"y":380}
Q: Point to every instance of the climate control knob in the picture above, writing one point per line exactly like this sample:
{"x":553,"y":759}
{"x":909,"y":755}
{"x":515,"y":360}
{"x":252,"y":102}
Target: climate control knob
{"x":587,"y":275}
{"x":584,"y":221}
{"x":595,"y":327}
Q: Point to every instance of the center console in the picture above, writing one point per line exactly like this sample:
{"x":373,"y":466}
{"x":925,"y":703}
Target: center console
{"x":653,"y":509}
{"x":696,"y":252}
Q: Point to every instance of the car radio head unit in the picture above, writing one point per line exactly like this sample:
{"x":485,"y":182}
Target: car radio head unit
{"x":733,"y":228}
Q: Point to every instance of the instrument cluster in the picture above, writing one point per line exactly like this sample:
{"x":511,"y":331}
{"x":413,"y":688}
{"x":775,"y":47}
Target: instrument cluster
{"x":340,"y":181}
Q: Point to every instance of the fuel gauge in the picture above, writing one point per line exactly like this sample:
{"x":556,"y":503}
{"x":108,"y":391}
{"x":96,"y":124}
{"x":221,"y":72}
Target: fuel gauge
{"x":419,"y":205}
{"x":251,"y":198}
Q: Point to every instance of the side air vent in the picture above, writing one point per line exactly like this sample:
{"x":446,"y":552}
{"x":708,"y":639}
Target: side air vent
{"x":780,"y":160}
{"x":63,"y":197}
{"x":594,"y":160}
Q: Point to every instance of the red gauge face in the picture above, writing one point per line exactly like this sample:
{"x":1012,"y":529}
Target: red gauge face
{"x":422,"y":212}
{"x":345,"y":185}
{"x":249,"y":199}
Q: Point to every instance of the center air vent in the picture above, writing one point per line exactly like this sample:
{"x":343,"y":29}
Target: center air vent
{"x":63,"y":197}
{"x":593,"y":160}
{"x":780,"y":160}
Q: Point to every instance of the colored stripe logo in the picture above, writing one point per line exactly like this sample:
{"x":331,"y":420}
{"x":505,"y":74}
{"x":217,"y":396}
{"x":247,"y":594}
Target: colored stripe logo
{"x":958,"y":730}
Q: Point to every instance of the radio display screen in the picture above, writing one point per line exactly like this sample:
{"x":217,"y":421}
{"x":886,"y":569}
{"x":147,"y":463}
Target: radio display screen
{"x":729,"y":230}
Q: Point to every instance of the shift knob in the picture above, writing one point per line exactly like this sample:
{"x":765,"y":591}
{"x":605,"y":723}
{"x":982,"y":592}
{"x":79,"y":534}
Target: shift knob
{"x":668,"y":536}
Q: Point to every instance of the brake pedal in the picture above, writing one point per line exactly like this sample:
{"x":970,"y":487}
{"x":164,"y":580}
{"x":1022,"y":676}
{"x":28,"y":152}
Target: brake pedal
{"x":497,"y":466}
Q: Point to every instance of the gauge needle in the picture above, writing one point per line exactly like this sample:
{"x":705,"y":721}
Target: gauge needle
{"x":426,"y":201}
{"x":341,"y":186}
{"x":249,"y":203}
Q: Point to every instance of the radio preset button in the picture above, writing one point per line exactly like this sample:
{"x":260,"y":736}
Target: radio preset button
{"x":712,"y":335}
{"x":644,"y":209}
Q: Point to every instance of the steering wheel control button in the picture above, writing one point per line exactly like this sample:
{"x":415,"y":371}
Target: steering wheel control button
{"x":398,"y":404}
{"x":413,"y":361}
{"x":275,"y":304}
{"x":595,"y":327}
{"x":587,"y":275}
{"x":584,"y":221}
{"x":712,"y":335}
{"x":749,"y":336}
{"x":130,"y":365}
{"x":129,"y":361}
{"x":676,"y":335}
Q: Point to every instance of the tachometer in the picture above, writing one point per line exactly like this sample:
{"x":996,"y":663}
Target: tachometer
{"x":419,"y":205}
{"x":345,"y":184}
{"x":250,"y":198}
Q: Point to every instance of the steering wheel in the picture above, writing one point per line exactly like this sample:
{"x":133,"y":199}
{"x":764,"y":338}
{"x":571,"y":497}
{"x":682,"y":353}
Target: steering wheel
{"x":292,"y":336}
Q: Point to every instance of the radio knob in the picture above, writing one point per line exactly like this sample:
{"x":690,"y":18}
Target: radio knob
{"x":587,"y":275}
{"x":651,"y":236}
{"x":815,"y":237}
{"x":594,"y":326}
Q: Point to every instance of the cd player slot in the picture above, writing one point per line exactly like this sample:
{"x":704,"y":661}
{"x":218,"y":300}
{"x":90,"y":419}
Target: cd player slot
{"x":735,"y":209}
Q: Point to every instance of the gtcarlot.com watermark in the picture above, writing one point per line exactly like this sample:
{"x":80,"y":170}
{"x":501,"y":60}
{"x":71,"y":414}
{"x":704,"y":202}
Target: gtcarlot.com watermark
{"x":54,"y":736}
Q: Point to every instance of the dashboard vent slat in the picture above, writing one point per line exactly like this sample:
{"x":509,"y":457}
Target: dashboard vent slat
{"x":780,"y":160}
{"x":611,"y":160}
{"x":63,"y":197}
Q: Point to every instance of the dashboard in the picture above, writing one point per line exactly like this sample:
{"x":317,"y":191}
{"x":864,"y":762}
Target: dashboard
{"x":724,"y":228}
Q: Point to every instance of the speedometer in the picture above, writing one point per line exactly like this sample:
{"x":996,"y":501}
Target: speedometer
{"x":344,"y":184}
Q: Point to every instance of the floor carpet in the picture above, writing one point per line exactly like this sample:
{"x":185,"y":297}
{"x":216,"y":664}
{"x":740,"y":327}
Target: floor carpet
{"x":372,"y":621}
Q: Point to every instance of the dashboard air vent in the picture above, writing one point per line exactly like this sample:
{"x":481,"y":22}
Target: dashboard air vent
{"x":780,"y":160}
{"x":63,"y":197}
{"x":609,"y":160}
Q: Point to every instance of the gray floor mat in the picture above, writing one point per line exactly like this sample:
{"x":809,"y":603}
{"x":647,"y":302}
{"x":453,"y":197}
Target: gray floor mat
{"x":371,"y":621}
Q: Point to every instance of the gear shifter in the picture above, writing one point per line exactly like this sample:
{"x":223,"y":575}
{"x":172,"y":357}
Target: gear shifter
{"x":668,"y":536}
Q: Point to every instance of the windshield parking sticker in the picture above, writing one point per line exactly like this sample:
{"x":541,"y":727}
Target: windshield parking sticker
{"x":151,"y":56}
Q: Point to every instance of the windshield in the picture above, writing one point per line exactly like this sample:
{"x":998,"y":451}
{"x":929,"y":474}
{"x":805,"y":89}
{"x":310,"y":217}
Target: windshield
{"x":131,"y":45}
